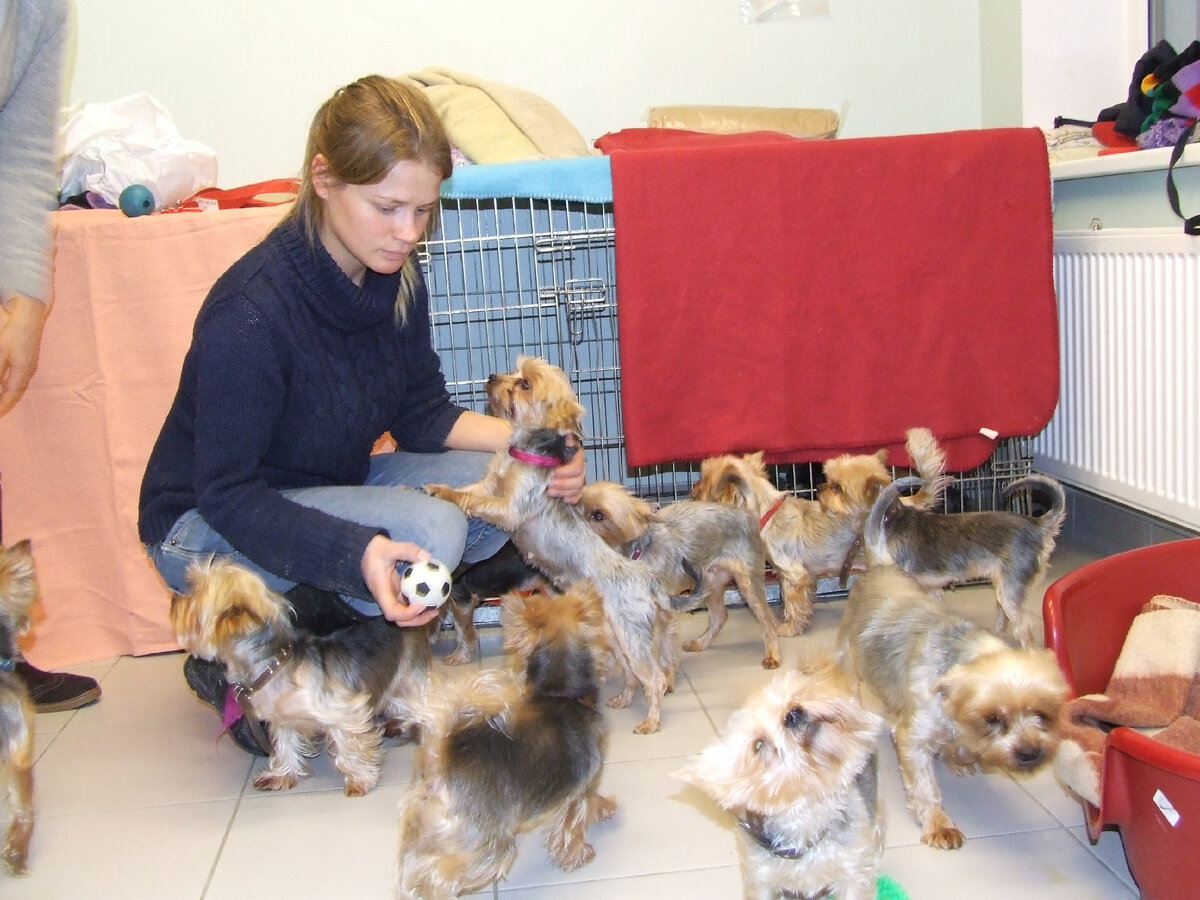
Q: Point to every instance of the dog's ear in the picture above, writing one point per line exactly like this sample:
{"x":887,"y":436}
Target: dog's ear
{"x":235,"y":623}
{"x":566,"y":416}
{"x":182,"y":615}
{"x":731,"y":487}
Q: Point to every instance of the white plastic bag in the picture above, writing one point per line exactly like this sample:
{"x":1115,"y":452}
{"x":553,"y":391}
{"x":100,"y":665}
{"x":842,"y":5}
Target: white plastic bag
{"x":132,"y":140}
{"x":757,"y":11}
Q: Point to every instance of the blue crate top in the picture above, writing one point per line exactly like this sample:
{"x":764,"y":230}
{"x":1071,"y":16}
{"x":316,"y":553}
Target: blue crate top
{"x":584,"y":178}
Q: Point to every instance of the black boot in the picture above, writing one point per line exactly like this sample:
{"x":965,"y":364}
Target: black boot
{"x":207,"y":679}
{"x":56,"y":691}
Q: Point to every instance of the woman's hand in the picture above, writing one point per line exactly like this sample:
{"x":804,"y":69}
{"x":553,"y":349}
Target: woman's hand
{"x":20,"y":343}
{"x":379,"y":562}
{"x":568,"y":479}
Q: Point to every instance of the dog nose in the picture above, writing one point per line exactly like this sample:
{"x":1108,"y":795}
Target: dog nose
{"x":796,"y":716}
{"x":1028,"y":757}
{"x":493,"y":378}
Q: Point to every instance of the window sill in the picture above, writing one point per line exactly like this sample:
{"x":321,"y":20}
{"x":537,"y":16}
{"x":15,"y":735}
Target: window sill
{"x":1121,"y":163}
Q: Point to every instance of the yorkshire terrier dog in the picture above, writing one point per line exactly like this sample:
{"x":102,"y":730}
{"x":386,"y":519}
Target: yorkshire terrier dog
{"x":485,"y":580}
{"x":538,"y":400}
{"x":305,"y":687}
{"x":1008,"y":549}
{"x":18,"y":590}
{"x":809,"y":539}
{"x":507,"y":751}
{"x":797,"y":765}
{"x":690,"y":545}
{"x":957,"y":691}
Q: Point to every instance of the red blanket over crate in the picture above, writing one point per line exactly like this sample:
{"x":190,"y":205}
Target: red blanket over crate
{"x":808,"y":298}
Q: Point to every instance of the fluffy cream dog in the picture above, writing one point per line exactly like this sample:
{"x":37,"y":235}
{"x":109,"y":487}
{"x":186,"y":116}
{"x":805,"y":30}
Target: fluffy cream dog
{"x":797,"y":765}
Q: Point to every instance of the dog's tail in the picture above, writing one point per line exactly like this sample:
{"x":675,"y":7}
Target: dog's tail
{"x":929,"y":460}
{"x":1051,"y":517}
{"x":874,"y":533}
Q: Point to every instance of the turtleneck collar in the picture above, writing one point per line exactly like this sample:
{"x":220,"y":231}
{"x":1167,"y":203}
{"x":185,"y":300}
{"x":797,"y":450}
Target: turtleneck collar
{"x":335,"y":298}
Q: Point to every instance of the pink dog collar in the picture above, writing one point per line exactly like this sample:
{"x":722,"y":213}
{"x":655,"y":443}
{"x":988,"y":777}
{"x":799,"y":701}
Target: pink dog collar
{"x":534,"y":459}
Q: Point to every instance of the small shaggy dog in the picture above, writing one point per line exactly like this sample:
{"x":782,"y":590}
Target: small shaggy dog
{"x":306,"y":688}
{"x":504,"y":752}
{"x":798,"y":767}
{"x":18,"y":590}
{"x":810,"y":539}
{"x":690,"y":545}
{"x":957,"y":691}
{"x":1010,"y":550}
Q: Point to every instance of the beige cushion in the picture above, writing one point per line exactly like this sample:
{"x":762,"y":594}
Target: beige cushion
{"x":805,"y":123}
{"x":497,"y":123}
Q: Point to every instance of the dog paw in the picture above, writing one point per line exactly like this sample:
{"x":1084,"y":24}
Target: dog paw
{"x":694,"y":646}
{"x":441,"y":491}
{"x":355,"y":788}
{"x":648,"y":726}
{"x":570,"y":858}
{"x":460,"y":657}
{"x":620,"y":701}
{"x":274,"y":781}
{"x":13,"y":860}
{"x":787,"y":629}
{"x":604,"y":808}
{"x":601,"y":809}
{"x":941,"y":833}
{"x":770,"y":662}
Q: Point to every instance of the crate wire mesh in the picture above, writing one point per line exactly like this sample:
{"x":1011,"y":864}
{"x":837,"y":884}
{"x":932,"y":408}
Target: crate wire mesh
{"x":509,"y":276}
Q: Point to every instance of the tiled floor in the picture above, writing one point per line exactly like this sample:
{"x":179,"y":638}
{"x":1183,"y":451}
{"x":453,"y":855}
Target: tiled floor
{"x":138,"y":798}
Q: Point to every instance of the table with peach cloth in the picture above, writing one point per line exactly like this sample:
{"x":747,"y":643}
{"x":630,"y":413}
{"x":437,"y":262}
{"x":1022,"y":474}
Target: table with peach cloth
{"x":72,"y":452}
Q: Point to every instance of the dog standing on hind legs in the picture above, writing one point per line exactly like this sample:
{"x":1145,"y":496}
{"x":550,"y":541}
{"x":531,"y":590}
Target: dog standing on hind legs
{"x":507,"y":751}
{"x":538,"y":400}
{"x":18,"y":590}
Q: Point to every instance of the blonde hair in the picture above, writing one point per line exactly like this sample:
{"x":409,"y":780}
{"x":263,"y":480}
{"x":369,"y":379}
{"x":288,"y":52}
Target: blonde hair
{"x":362,"y":131}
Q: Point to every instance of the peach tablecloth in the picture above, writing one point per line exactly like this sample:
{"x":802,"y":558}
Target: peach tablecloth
{"x":73,"y":450}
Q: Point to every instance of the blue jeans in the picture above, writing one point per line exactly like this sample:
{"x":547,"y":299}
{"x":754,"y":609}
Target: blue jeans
{"x":387,"y":500}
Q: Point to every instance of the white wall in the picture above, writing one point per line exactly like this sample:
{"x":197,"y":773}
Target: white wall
{"x":1079,"y":56}
{"x":244,"y":76}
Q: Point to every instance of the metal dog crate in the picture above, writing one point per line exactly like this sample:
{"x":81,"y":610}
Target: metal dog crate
{"x":510,"y":275}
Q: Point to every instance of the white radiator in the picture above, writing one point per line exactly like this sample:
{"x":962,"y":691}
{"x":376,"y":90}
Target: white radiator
{"x":1126,"y":426}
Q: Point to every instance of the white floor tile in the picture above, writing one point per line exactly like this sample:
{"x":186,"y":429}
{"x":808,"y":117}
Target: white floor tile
{"x":685,"y":831}
{"x":1046,"y":865}
{"x":131,"y":854}
{"x":725,"y":881}
{"x":310,"y":844}
{"x":96,"y":769}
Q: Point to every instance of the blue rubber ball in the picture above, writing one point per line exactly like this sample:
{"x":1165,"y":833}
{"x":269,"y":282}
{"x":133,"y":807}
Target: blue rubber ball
{"x":136,"y":200}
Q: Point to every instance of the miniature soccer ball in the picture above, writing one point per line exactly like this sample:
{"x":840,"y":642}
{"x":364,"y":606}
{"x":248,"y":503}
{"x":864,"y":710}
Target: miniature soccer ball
{"x":426,"y":583}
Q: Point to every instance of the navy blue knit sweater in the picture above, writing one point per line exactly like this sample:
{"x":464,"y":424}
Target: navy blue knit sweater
{"x":292,"y":375}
